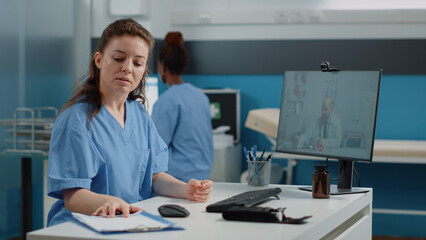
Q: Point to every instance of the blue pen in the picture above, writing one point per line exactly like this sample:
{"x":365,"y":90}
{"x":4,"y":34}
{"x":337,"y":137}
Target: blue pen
{"x":245,"y":152}
{"x":248,"y":155}
{"x":256,"y":169}
{"x":257,"y":165}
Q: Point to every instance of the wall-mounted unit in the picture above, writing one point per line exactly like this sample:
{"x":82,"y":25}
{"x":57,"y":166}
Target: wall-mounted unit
{"x":128,"y":7}
{"x":296,"y":16}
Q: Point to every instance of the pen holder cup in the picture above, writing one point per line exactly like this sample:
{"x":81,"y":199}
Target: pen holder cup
{"x":259,"y":173}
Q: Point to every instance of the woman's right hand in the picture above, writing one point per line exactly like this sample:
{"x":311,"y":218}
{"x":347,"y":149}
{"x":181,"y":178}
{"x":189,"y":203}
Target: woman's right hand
{"x":113,"y":205}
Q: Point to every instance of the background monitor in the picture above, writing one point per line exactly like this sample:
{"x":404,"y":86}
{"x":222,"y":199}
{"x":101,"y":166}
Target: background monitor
{"x":225,"y":109}
{"x":330,"y":115}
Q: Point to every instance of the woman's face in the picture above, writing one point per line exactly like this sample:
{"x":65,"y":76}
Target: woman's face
{"x":122,"y":65}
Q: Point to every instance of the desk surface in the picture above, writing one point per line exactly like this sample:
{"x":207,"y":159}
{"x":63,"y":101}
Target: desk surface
{"x":327,"y":214}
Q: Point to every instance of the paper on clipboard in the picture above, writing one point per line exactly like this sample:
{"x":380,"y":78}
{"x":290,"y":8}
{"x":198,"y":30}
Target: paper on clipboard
{"x":140,"y":221}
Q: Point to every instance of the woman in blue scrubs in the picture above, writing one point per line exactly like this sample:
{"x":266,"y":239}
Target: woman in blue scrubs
{"x":105,"y":151}
{"x":182,"y":116}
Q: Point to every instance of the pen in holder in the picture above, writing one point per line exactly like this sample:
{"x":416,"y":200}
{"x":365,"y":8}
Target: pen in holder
{"x":259,"y":173}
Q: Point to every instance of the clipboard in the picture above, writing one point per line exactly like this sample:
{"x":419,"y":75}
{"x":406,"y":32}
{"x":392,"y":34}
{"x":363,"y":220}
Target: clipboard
{"x":137,"y":222}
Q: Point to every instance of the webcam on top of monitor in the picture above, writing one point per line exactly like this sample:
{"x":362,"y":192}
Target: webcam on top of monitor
{"x":326,"y":67}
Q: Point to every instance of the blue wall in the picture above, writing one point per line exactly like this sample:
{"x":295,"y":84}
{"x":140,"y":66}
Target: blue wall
{"x":401,"y":115}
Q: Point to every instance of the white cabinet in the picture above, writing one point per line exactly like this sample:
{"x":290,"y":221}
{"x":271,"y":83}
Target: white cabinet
{"x":227,"y":164}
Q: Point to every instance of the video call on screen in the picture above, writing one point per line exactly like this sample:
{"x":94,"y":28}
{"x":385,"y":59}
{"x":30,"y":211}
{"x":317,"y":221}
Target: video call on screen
{"x":330,"y":114}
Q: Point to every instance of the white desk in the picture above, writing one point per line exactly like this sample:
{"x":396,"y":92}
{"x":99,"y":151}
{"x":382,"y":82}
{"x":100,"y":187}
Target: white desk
{"x":342,"y":217}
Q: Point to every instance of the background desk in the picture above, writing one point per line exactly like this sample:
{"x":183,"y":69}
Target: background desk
{"x":343,"y":217}
{"x":385,"y":151}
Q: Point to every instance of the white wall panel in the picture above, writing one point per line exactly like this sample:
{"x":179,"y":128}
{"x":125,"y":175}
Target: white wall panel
{"x":274,"y":19}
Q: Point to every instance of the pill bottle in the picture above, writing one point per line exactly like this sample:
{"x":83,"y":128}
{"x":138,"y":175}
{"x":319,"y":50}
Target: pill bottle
{"x":321,"y":182}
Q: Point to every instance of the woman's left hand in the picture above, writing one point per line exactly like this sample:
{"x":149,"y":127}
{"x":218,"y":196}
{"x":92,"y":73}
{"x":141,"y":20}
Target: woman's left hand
{"x":199,"y":190}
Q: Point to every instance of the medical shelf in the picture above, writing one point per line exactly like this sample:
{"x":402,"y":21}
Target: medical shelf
{"x":30,"y":130}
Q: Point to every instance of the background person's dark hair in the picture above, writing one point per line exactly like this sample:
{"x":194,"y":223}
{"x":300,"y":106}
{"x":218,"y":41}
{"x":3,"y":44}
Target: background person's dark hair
{"x":88,"y":90}
{"x":173,"y":55}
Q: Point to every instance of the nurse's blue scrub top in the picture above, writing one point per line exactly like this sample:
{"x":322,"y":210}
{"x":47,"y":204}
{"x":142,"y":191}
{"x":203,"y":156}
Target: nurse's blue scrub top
{"x":103,"y":157}
{"x":183,"y":119}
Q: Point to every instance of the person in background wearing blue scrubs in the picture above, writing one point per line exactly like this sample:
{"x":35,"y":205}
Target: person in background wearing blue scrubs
{"x":105,"y":151}
{"x":182,"y":116}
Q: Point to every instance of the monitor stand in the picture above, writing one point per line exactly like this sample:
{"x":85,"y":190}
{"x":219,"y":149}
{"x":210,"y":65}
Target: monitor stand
{"x":344,"y":184}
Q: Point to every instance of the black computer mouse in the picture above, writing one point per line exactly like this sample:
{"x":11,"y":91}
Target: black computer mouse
{"x":172,"y":210}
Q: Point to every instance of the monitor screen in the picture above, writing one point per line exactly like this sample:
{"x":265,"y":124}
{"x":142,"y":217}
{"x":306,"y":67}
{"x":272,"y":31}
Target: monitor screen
{"x":225,"y":109}
{"x":329,"y":114}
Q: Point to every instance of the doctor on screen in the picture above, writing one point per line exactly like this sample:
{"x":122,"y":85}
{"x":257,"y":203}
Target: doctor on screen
{"x":326,"y":131}
{"x":329,"y":126}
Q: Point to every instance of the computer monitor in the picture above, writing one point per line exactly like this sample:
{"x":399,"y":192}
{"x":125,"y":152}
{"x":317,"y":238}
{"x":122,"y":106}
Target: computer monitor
{"x":225,"y":109}
{"x":330,"y":115}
